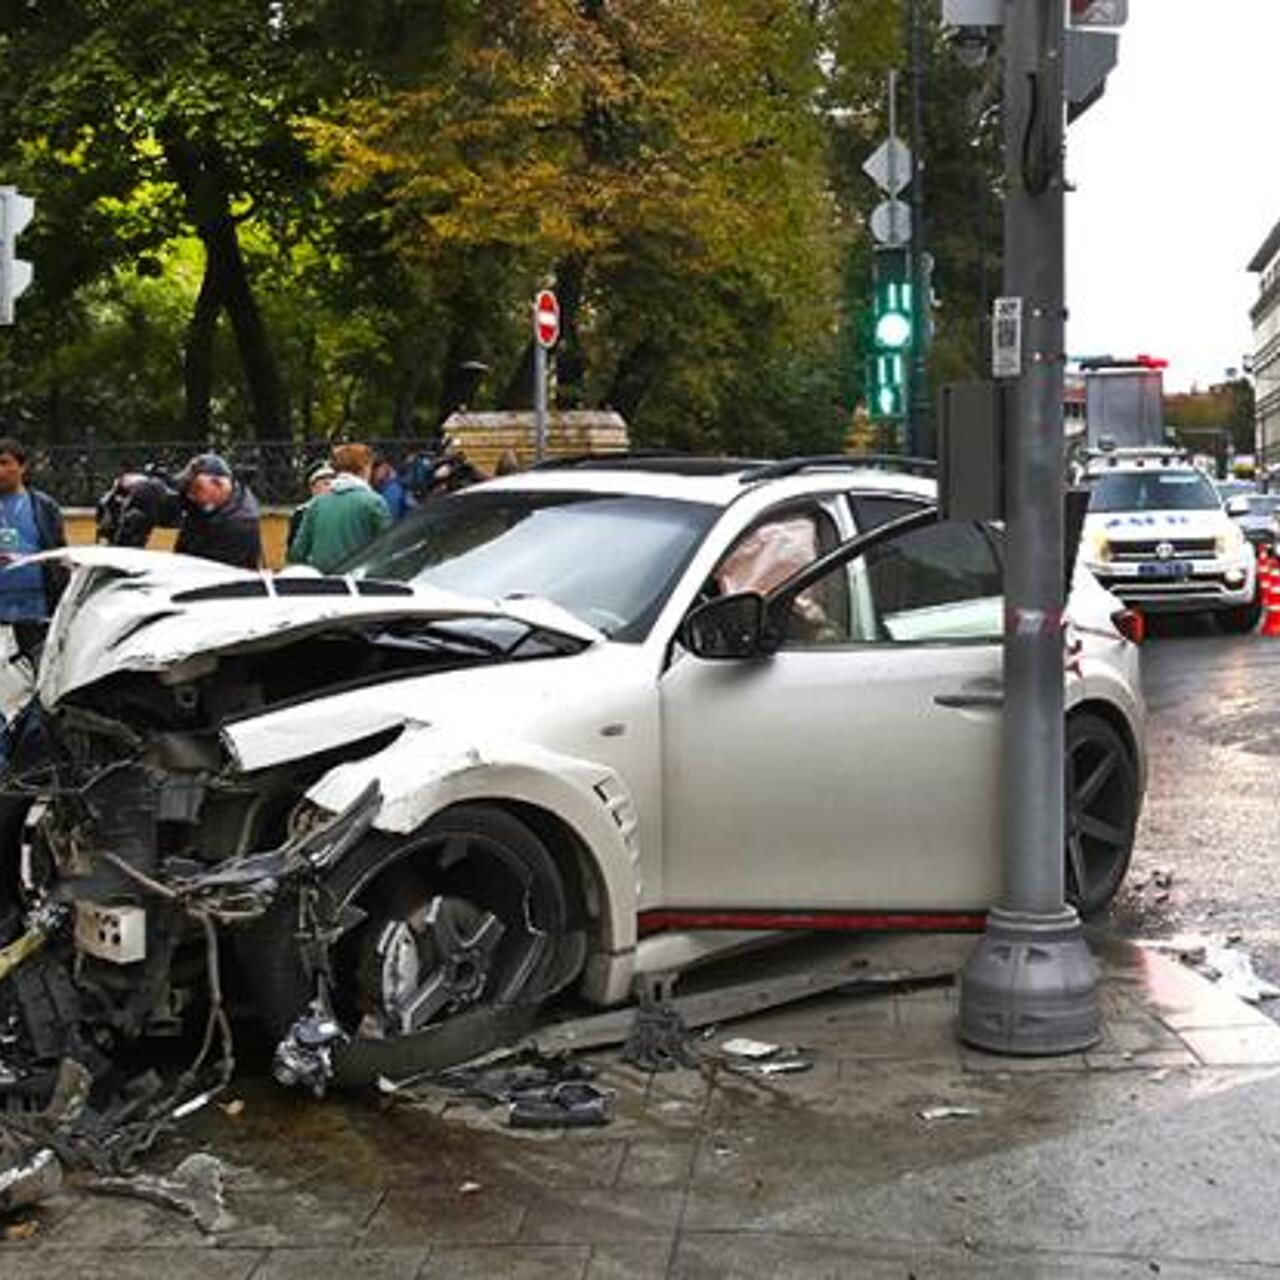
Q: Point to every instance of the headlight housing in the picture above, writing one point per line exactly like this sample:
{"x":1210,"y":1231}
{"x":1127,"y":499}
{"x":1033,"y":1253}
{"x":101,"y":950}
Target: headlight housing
{"x":1230,"y":542}
{"x":1097,"y":546}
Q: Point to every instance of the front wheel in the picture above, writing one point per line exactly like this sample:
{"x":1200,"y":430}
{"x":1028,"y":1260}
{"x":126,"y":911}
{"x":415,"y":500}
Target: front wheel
{"x":459,"y":940}
{"x":1238,"y":622}
{"x":1102,"y":811}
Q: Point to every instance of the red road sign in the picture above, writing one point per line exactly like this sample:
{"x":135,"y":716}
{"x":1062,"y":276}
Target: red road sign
{"x":546,"y":318}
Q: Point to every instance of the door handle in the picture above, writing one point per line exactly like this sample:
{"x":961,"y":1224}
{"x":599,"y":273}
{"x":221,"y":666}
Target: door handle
{"x":968,"y":701}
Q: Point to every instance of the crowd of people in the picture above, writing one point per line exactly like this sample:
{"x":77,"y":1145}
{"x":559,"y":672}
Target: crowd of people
{"x":352,"y":497}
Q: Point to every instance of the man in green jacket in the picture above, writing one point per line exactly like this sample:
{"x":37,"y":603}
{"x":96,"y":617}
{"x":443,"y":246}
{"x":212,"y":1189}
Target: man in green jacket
{"x":348,"y":517}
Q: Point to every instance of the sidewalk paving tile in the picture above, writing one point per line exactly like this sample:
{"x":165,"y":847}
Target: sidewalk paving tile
{"x":1235,"y":1046}
{"x":428,"y":1215}
{"x":604,"y":1216}
{"x":510,"y":1262}
{"x":637,"y":1260}
{"x":146,"y":1264}
{"x":652,"y":1163}
{"x":348,"y":1264}
{"x":767,"y":1255}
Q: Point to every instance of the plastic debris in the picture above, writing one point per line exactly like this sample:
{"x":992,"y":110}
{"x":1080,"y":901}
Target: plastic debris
{"x":305,"y":1056}
{"x":742,"y":1047}
{"x":948,"y":1112}
{"x":194,"y":1188}
{"x":1232,"y":969}
{"x":659,"y":1040}
{"x":469,"y":1188}
{"x":747,"y":1057}
{"x":572,"y":1104}
{"x":540,"y":1091}
{"x":28,"y":1183}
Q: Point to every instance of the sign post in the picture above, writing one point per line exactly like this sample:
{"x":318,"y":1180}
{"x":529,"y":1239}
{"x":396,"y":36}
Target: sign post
{"x":546,"y":332}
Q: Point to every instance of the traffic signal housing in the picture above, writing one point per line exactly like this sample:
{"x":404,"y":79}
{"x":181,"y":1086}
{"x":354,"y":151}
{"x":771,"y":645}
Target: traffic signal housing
{"x":16,"y":211}
{"x":894,"y":325}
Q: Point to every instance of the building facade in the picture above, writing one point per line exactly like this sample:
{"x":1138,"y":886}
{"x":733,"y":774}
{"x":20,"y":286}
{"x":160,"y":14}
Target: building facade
{"x":1265,"y":314}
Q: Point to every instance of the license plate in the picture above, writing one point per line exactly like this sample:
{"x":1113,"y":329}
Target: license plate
{"x":1164,"y":569}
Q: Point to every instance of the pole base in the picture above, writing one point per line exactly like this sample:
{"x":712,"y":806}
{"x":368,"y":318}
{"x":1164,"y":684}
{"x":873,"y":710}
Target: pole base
{"x":1030,"y":987}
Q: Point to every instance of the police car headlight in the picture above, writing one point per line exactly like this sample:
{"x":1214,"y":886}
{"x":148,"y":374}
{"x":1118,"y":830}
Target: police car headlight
{"x":1231,"y":542}
{"x":1097,"y":546}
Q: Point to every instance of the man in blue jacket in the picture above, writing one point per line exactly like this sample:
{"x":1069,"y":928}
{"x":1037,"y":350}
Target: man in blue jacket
{"x":30,"y":521}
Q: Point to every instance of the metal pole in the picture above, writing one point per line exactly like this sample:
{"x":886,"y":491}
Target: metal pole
{"x":918,"y":391}
{"x":1031,"y":985}
{"x":539,"y":401}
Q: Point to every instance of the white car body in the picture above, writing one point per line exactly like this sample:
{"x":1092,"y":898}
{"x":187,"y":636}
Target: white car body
{"x":820,"y":785}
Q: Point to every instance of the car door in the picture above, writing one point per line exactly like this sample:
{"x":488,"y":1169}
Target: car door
{"x":857,"y":767}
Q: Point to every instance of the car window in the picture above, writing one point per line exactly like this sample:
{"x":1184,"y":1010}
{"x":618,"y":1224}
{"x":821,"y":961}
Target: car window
{"x":941,"y":583}
{"x":871,"y":510}
{"x":775,"y":548}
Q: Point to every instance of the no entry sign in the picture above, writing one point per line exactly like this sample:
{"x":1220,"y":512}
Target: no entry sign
{"x":546,"y":318}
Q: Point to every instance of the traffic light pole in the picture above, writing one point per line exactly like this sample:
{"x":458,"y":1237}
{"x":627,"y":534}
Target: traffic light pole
{"x":1031,"y":985}
{"x":919,"y":437}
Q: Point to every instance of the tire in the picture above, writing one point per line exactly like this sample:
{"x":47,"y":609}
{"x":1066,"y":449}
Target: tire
{"x":1238,"y":622}
{"x":462,"y":928}
{"x":1102,"y":811}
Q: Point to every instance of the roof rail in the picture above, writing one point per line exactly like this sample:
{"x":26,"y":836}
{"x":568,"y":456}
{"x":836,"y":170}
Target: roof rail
{"x":843,"y":461}
{"x":664,"y":461}
{"x":620,"y":455}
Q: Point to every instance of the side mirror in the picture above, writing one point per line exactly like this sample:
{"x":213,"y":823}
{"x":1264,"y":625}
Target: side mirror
{"x":1238,"y":506}
{"x":728,"y":627}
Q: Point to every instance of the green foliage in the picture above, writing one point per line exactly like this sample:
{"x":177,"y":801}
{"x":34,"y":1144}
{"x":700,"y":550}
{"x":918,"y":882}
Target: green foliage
{"x":401,"y":175}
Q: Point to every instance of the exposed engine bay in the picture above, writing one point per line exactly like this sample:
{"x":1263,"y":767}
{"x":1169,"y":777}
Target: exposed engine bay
{"x":140,"y":862}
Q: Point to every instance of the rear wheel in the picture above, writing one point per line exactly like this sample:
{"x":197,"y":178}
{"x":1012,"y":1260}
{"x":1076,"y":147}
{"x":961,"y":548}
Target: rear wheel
{"x":1102,"y":811}
{"x":459,"y":941}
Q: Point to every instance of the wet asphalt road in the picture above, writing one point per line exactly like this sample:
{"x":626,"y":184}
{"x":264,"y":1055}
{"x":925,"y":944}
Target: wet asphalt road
{"x":1207,"y":859}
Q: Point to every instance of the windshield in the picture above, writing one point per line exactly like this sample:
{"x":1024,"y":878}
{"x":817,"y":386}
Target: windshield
{"x":1154,"y":491}
{"x":609,"y":559}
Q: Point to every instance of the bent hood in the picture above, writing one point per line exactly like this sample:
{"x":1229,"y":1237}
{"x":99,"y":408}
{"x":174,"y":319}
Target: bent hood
{"x":128,"y":610}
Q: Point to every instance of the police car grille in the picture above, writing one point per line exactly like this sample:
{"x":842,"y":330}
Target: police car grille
{"x":1145,"y":548}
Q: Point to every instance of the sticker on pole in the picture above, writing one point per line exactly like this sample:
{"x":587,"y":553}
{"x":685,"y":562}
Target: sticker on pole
{"x":546,"y":318}
{"x":1006,"y":338}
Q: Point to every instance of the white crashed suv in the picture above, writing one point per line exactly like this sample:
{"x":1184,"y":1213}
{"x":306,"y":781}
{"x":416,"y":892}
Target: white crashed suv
{"x":1157,"y":535}
{"x":564,"y":728}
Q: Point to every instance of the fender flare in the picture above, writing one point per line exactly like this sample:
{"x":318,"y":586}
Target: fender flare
{"x":428,"y":769}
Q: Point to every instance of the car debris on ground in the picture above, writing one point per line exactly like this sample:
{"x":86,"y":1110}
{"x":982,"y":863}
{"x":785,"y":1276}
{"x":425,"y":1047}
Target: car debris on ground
{"x":1226,"y":963}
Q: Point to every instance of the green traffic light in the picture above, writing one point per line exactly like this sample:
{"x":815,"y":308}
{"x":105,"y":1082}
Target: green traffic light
{"x":893,"y":330}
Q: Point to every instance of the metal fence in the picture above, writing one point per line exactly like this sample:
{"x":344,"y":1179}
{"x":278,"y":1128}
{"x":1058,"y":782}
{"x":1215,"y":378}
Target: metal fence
{"x":276,"y":471}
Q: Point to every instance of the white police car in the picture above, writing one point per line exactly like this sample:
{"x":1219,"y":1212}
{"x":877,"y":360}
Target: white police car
{"x":1157,"y":536}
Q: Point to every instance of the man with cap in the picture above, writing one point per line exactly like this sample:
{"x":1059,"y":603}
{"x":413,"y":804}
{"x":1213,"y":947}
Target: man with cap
{"x":319,"y":480}
{"x":220,"y":519}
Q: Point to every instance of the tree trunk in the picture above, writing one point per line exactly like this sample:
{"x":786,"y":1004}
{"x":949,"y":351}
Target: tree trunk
{"x":518,"y":393}
{"x":199,"y":173}
{"x":197,"y":359}
{"x":571,"y":362}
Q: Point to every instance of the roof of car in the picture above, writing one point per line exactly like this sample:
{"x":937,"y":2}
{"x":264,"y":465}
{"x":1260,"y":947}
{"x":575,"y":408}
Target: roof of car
{"x":715,"y":481}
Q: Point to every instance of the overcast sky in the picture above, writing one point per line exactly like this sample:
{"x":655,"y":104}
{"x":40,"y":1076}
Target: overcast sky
{"x":1178,"y":184}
